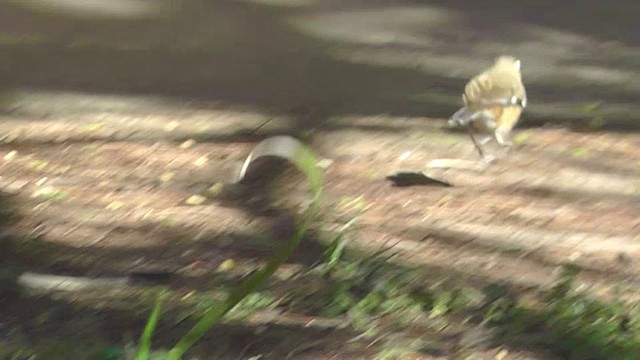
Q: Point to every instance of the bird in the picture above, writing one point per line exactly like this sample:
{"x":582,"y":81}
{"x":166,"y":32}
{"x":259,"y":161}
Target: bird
{"x":493,"y":102}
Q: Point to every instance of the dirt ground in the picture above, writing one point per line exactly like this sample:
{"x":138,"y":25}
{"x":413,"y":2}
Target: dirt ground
{"x":97,"y":163}
{"x":99,"y":206}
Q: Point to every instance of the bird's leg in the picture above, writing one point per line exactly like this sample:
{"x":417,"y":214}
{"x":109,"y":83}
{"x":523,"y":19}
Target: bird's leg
{"x":485,"y":140}
{"x":475,"y":143}
{"x":484,"y":120}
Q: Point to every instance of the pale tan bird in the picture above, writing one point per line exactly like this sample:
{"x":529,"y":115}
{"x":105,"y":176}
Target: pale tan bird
{"x":493,"y":102}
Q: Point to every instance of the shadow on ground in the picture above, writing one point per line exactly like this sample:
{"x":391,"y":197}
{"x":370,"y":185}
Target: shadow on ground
{"x":407,"y":58}
{"x":32,"y":317}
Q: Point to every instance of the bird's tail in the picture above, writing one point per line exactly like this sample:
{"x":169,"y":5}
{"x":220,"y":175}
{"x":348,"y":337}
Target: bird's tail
{"x":461,"y":118}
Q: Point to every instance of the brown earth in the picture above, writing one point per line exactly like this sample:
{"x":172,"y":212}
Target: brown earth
{"x":95,"y":112}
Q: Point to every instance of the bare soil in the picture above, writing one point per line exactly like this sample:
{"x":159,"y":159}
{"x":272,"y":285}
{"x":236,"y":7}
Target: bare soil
{"x":114,"y":210}
{"x":95,"y":176}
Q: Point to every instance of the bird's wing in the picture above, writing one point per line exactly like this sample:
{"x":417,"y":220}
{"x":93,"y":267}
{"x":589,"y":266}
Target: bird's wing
{"x":493,"y":89}
{"x":462,"y":117}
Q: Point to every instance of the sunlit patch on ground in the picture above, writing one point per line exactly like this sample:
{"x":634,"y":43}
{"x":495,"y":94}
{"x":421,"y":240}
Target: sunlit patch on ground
{"x":124,"y":9}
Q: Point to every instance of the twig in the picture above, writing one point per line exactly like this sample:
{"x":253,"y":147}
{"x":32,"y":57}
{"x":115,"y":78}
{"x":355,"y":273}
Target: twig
{"x":261,"y":125}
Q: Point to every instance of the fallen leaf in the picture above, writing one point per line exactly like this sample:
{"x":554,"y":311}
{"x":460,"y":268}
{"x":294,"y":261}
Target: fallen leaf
{"x":227,"y":265}
{"x":10,"y":138}
{"x":41,"y":181}
{"x":201,"y":160}
{"x":93,"y":127}
{"x":187,"y":144}
{"x":502,"y":354}
{"x":115,"y":205}
{"x":579,"y":152}
{"x":575,"y":256}
{"x":10,"y":155}
{"x":215,"y":189}
{"x":405,"y":155}
{"x":444,"y":200}
{"x":352,"y":203}
{"x":37,"y":164}
{"x":171,"y":126}
{"x":165,"y":177}
{"x":50,"y":193}
{"x":521,"y":138}
{"x":195,"y":200}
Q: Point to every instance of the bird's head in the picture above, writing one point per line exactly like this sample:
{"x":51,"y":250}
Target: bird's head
{"x":506,"y":61}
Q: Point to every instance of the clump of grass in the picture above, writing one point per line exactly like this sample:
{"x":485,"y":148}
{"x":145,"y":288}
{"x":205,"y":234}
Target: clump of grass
{"x":592,"y":118}
{"x":367,"y":288}
{"x":566,"y":323}
{"x":574,"y":326}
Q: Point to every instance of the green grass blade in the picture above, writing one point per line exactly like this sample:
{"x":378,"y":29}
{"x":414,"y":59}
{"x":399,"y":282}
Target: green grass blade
{"x":145,"y":339}
{"x":306,"y":162}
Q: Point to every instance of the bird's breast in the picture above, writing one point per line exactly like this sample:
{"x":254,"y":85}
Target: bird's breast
{"x":509,"y":117}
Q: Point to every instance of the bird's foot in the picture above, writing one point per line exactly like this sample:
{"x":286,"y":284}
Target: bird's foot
{"x":489,"y":159}
{"x":508,"y":147}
